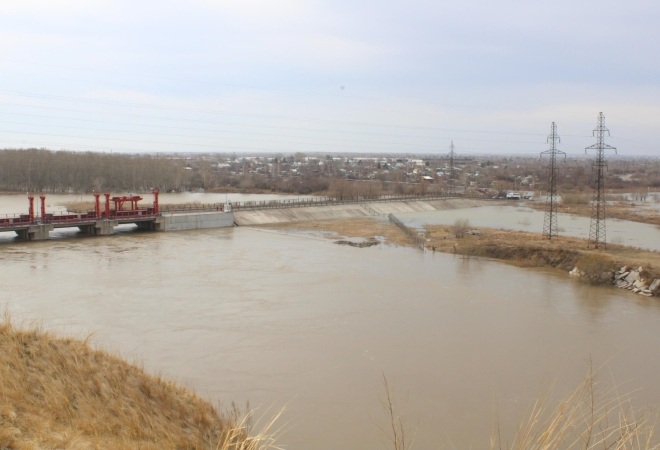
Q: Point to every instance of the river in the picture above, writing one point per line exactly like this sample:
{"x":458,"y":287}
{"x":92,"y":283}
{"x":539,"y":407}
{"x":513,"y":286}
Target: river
{"x":524,"y":218}
{"x":293,"y":320}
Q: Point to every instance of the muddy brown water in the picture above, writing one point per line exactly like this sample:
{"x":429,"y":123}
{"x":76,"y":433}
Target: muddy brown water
{"x":296,"y":321}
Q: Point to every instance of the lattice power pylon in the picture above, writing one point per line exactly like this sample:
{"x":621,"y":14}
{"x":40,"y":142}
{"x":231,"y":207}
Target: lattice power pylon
{"x":597,"y":228}
{"x":550,"y":227}
{"x":452,"y":171}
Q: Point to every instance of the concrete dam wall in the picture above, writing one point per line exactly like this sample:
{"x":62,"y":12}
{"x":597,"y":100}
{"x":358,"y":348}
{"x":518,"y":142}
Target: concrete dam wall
{"x":195,"y":221}
{"x":349,"y":211}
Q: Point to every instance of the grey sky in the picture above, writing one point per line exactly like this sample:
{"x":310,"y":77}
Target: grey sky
{"x":328,"y":76}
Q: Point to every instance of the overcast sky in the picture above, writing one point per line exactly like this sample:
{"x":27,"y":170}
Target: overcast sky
{"x":249,"y":76}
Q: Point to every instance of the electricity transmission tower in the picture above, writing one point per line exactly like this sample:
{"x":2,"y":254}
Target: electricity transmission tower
{"x":597,"y":228}
{"x":450,"y":181}
{"x":550,"y":227}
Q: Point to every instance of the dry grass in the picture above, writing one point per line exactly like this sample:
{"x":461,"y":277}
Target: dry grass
{"x":396,"y":431}
{"x":82,"y":207}
{"x":592,"y":417}
{"x":61,"y":394}
{"x":575,"y":199}
{"x":532,"y":250}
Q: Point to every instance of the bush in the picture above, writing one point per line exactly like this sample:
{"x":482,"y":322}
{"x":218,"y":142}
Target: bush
{"x":460,"y":227}
{"x":575,"y":199}
{"x":596,"y":268}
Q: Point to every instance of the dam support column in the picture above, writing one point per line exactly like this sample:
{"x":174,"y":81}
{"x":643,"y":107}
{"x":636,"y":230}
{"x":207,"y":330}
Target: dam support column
{"x":155,"y":192}
{"x":97,"y":205}
{"x":35,"y":232}
{"x":43,"y":207}
{"x":102,"y":227}
{"x":31,"y":213}
{"x":107,"y":204}
{"x":151,"y":225}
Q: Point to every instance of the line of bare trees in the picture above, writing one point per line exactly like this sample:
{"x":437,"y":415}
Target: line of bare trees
{"x":36,"y":170}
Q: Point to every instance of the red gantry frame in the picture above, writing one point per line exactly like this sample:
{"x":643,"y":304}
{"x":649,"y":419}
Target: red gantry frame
{"x":121,"y":210}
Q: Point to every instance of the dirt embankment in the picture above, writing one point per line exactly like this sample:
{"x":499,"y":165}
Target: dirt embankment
{"x":514,"y":247}
{"x":533,"y":250}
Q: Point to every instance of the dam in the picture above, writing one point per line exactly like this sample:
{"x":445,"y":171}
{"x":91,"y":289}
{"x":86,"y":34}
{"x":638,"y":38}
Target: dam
{"x":121,"y":210}
{"x":102,"y":222}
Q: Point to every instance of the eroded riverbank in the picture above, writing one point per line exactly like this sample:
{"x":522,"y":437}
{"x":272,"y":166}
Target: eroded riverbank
{"x":522,"y":249}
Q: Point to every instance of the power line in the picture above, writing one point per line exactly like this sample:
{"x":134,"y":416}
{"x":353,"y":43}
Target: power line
{"x":452,"y":171}
{"x":320,"y":141}
{"x":238,"y":124}
{"x":312,"y":140}
{"x":254,"y":115}
{"x":232,"y":85}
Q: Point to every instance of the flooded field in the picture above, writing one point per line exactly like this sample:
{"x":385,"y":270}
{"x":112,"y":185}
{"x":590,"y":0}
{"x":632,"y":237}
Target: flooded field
{"x":523,"y":218}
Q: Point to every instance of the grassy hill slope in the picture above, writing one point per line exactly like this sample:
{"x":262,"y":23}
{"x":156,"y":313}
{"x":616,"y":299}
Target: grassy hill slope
{"x":61,"y":393}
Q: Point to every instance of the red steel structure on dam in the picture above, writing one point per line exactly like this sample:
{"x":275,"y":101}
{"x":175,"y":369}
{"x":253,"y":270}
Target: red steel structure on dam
{"x":97,"y":223}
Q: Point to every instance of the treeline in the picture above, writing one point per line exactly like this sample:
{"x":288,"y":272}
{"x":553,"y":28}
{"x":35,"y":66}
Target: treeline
{"x":36,"y":170}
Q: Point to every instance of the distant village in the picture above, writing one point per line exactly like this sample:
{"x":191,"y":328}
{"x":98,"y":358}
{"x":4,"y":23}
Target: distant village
{"x":496,"y":175}
{"x":40,"y":170}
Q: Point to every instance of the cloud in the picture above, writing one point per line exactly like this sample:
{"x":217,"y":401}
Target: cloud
{"x":472,"y":65}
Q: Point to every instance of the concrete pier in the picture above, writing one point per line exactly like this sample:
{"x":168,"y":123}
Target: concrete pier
{"x":153,"y":225}
{"x":103,"y":227}
{"x":35,"y":232}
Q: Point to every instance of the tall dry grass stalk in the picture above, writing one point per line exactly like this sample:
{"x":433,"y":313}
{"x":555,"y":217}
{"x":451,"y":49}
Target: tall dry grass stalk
{"x":592,"y":417}
{"x":241,"y":435}
{"x":62,"y":394}
{"x":396,"y":430}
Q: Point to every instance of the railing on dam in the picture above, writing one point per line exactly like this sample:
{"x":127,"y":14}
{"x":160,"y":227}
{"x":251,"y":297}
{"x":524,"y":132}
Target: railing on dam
{"x":307,"y":202}
{"x":72,"y":219}
{"x":193,"y":207}
{"x":413,"y":234}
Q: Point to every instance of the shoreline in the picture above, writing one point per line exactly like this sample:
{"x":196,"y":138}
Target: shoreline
{"x":519,"y":248}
